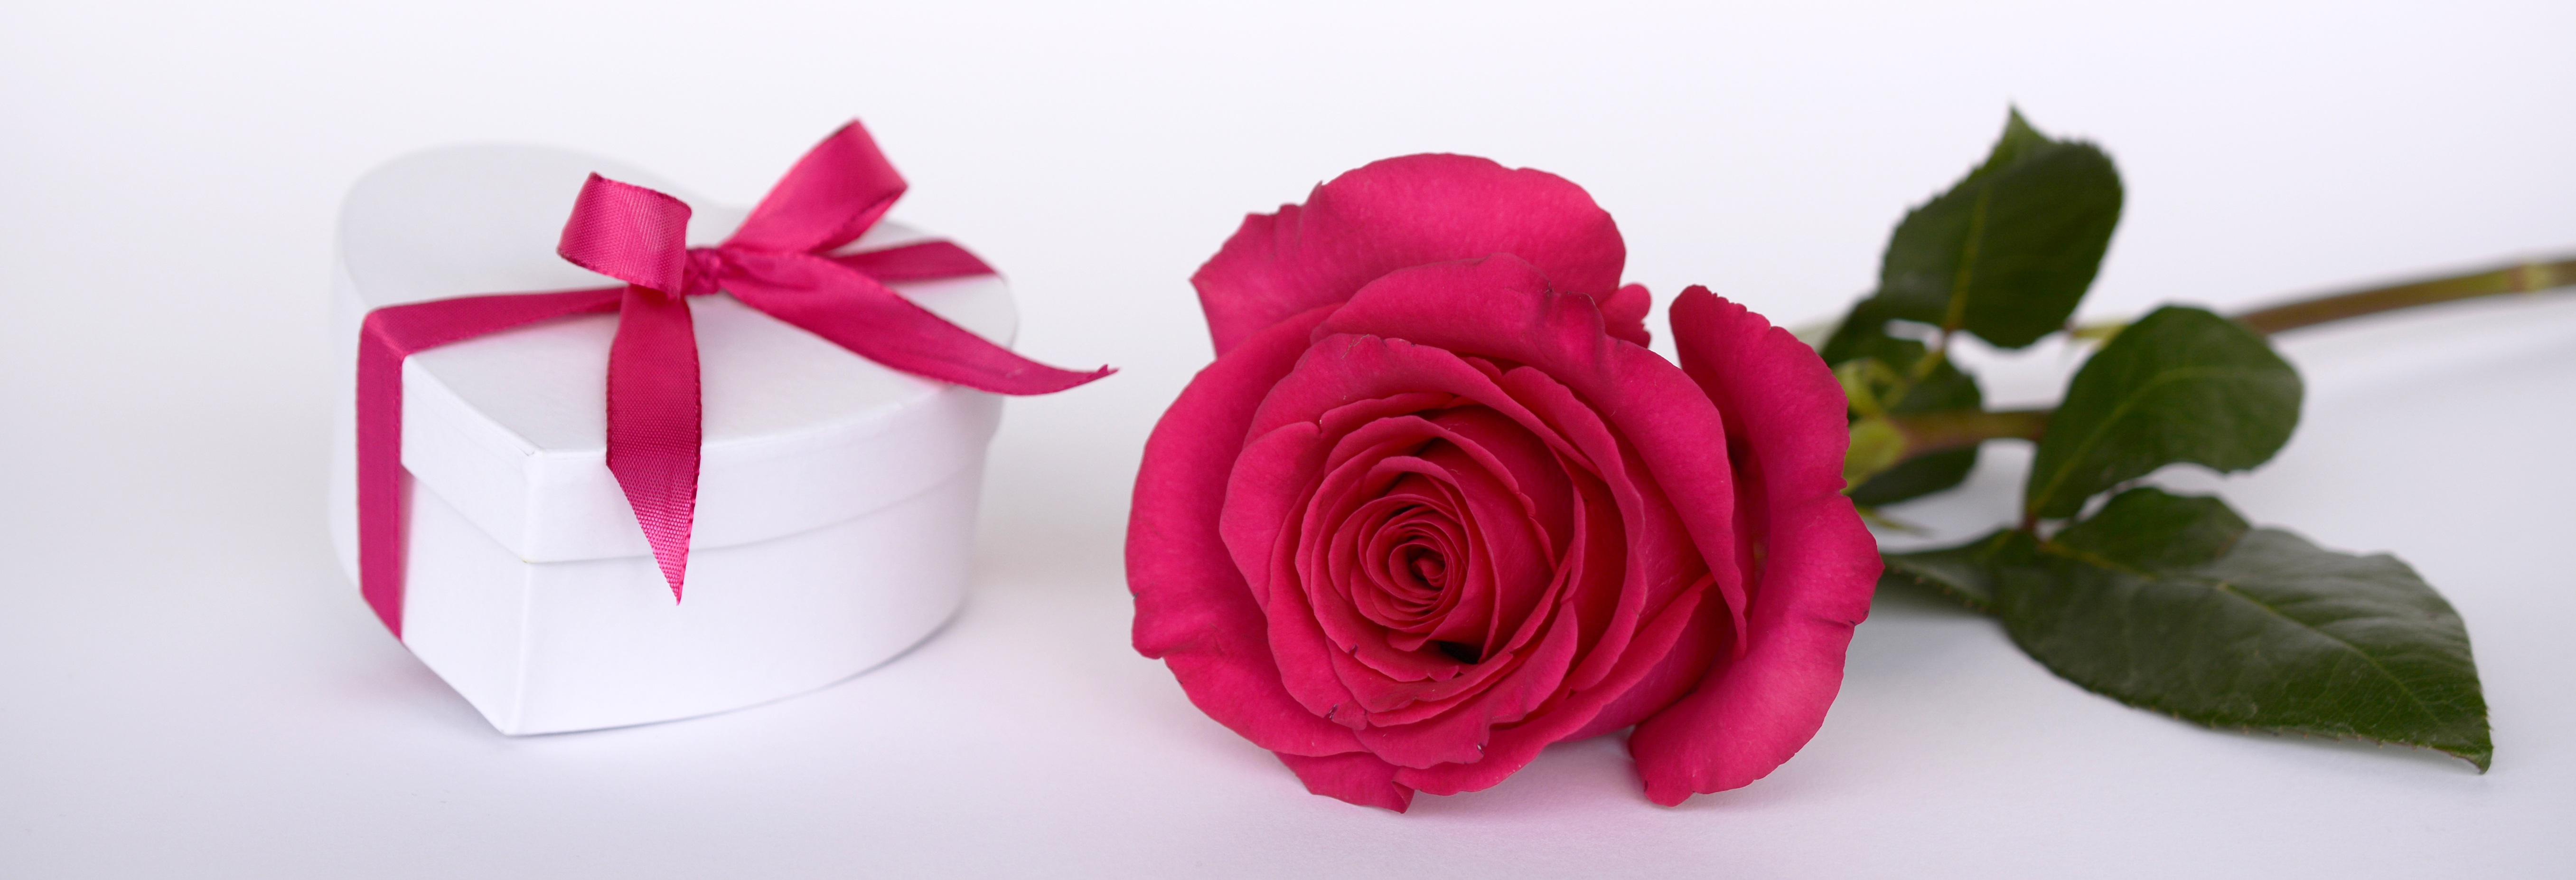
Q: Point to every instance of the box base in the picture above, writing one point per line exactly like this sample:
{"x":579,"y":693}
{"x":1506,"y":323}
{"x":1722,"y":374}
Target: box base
{"x":562,"y":646}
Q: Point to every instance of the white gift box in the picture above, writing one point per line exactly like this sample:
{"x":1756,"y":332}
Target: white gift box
{"x":836,"y":497}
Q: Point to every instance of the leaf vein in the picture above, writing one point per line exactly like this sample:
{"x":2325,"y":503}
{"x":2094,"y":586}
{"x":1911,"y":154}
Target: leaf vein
{"x":2223,"y":586}
{"x":2121,"y":411}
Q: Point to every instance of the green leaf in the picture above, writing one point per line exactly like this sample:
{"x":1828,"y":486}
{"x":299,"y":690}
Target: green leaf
{"x":2008,"y":251}
{"x":1863,"y":333}
{"x":1964,"y":573}
{"x":2181,"y":384}
{"x":2174,"y":604}
{"x":1916,"y":477}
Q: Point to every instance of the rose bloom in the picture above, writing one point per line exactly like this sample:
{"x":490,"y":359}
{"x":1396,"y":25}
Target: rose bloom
{"x":1435,"y":506}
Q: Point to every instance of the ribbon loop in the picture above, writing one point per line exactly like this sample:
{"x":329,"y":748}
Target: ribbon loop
{"x":838,"y":190}
{"x":630,"y":233}
{"x":776,"y":263}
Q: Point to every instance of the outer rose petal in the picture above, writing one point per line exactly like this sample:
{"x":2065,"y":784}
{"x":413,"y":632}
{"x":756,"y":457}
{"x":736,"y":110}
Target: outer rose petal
{"x":1193,"y":609}
{"x":1358,"y":777}
{"x":1623,"y":314}
{"x":1406,"y":211}
{"x":1786,"y":416}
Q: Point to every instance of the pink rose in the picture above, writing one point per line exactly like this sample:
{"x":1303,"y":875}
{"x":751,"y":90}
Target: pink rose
{"x":1435,"y":506}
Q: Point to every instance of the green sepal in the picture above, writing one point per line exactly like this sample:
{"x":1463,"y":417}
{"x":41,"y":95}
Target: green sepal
{"x":1863,"y":337}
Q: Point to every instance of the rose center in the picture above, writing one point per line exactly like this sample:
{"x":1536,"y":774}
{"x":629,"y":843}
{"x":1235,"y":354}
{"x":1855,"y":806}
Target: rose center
{"x":1421,"y":600}
{"x":1428,"y":565}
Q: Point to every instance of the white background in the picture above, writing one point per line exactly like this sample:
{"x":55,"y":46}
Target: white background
{"x":189,"y":688}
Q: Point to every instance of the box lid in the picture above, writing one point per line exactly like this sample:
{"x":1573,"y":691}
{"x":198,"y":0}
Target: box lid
{"x":510,"y":428}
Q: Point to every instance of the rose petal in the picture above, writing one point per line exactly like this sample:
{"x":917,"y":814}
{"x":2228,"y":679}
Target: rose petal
{"x":1522,"y":459}
{"x":1357,"y":777}
{"x":1787,"y":423}
{"x":1623,"y":314}
{"x":1254,"y":518}
{"x":1193,"y":609}
{"x":1325,"y":547}
{"x":1511,"y":748}
{"x":1509,"y":560}
{"x":1312,"y":669}
{"x":1658,"y":558}
{"x":1502,"y":307}
{"x":1459,"y":735}
{"x":1705,"y":639}
{"x":1401,"y":212}
{"x":1498,"y":560}
{"x":1340,"y":369}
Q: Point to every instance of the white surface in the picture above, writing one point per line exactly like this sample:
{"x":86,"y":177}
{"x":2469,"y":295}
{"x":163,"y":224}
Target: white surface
{"x":189,"y":688}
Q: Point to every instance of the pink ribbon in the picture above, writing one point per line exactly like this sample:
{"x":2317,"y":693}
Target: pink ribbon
{"x":779,"y":262}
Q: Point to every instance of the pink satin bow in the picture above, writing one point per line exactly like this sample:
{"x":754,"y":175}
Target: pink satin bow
{"x":779,"y":262}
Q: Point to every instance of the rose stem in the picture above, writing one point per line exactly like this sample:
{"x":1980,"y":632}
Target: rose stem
{"x":1927,"y":433}
{"x":2531,"y":276}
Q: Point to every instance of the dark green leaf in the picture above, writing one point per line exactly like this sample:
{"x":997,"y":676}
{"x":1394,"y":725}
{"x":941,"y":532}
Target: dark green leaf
{"x":1863,"y":333}
{"x":2174,"y":604}
{"x":1916,"y":477}
{"x":2179,"y":385}
{"x":2150,"y":530}
{"x":2008,"y":251}
{"x":1964,"y":572}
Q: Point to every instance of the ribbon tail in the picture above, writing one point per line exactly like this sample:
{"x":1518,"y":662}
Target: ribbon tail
{"x":920,"y":261}
{"x":860,"y":314}
{"x":380,"y":473}
{"x":654,"y":422}
{"x":389,"y":335}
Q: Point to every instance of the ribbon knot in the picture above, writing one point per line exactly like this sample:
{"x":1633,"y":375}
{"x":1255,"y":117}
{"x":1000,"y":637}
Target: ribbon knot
{"x":706,"y":271}
{"x":780,"y":262}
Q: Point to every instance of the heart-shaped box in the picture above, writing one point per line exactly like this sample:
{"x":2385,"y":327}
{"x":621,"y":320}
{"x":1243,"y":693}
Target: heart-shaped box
{"x":836,"y":497}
